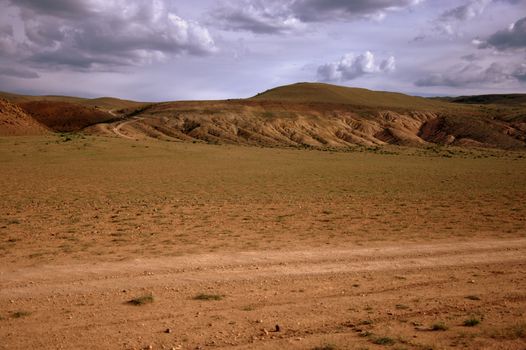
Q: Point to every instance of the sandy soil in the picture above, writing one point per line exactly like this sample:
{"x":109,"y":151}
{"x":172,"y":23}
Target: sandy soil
{"x":340,"y":299}
{"x":341,"y":250}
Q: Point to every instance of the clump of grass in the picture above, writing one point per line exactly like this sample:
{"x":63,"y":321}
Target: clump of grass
{"x":471,"y":322}
{"x":208,"y":297}
{"x":142,"y":300}
{"x":384,"y":341}
{"x":20,"y":314}
{"x":439,"y":327}
{"x":325,"y":347}
{"x":366,"y":322}
{"x":402,"y":307}
{"x":365,"y":334}
{"x":473,"y":297}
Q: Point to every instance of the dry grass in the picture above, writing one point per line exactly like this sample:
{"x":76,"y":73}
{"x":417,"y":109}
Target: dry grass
{"x":108,"y":199}
{"x":142,"y":300}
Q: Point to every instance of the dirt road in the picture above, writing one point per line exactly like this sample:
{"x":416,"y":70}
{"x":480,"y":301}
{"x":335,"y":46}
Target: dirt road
{"x":117,"y":127}
{"x":345,"y":299}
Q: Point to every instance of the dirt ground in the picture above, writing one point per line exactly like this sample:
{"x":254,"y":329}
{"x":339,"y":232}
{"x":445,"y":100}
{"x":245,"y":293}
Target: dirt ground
{"x":118,"y":244}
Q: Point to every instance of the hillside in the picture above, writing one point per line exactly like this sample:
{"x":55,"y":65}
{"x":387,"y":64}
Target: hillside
{"x":299,"y":115}
{"x":15,"y":122}
{"x":326,"y":116}
{"x":65,"y":116}
{"x":333,"y":94}
{"x":502,"y":99}
{"x":103,"y":103}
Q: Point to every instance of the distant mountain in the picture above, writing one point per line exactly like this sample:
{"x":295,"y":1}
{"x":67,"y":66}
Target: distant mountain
{"x":504,"y":99}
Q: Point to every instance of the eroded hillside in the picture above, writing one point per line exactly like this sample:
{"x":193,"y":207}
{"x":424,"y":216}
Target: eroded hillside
{"x":14,"y":121}
{"x":299,"y":115}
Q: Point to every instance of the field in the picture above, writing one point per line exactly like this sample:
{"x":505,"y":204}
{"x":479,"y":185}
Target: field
{"x":116,"y":243}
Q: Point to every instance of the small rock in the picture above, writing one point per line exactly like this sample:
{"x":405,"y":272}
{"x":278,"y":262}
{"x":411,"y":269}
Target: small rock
{"x":168,"y":330}
{"x":278,"y":328}
{"x":265,"y":331}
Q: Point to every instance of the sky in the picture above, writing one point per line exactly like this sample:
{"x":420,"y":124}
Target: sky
{"x":159,"y":50}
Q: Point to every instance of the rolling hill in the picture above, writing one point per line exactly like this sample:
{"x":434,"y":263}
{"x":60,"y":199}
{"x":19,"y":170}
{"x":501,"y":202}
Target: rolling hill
{"x":65,"y":116}
{"x":15,"y":122}
{"x":103,"y":103}
{"x":299,"y":115}
{"x":333,"y":94}
{"x":503,"y":99}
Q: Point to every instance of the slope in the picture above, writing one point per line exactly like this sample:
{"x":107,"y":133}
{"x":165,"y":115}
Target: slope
{"x":65,"y":116}
{"x":103,"y":103}
{"x":333,"y":94}
{"x":15,"y":122}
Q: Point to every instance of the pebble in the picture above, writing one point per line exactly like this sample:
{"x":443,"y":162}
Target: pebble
{"x":168,"y":330}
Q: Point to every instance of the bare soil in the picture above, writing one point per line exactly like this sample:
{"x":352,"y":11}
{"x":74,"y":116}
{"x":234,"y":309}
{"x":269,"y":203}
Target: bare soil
{"x":110,"y":243}
{"x":348,"y":299}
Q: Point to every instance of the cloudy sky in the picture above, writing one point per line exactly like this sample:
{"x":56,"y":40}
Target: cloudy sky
{"x":209,"y":49}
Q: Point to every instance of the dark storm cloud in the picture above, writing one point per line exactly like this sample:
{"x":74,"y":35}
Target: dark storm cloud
{"x":62,"y":8}
{"x":512,"y":38}
{"x":321,"y":10}
{"x":277,"y":17}
{"x":18,"y":73}
{"x":93,"y":34}
{"x":261,"y":17}
{"x":466,"y":11}
{"x":473,"y":74}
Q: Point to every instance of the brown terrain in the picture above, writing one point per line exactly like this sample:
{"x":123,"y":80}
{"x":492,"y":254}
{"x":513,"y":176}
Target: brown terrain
{"x":14,"y":121}
{"x":369,"y":220}
{"x":301,"y":115}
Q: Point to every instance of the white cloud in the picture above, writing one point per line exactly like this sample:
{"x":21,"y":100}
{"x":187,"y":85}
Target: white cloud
{"x":283,"y":16}
{"x":99,"y":35}
{"x":472,"y":74}
{"x":352,"y":66}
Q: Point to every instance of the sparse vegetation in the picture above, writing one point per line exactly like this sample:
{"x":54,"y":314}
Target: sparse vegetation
{"x":20,"y":314}
{"x":142,"y":300}
{"x":326,"y":347}
{"x":516,"y":331}
{"x":440,"y":326}
{"x":384,"y":341}
{"x":203,"y":296}
{"x":471,"y":322}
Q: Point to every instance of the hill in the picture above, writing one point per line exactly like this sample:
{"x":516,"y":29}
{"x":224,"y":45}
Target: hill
{"x":103,"y":103}
{"x":65,"y":116}
{"x":14,"y":121}
{"x":298,"y":115}
{"x":333,"y":94}
{"x":327,"y":116}
{"x":502,"y":99}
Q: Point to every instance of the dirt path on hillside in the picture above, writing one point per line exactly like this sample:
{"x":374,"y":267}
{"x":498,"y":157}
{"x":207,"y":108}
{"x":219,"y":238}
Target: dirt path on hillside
{"x":117,"y":127}
{"x":351,"y":298}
